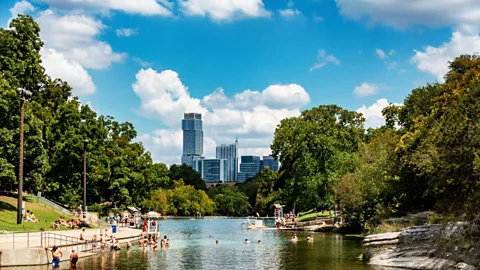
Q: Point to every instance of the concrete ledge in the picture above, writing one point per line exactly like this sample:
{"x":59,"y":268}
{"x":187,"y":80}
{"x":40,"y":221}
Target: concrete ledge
{"x":32,"y":257}
{"x":23,"y":257}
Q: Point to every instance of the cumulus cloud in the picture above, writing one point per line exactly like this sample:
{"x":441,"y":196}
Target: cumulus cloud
{"x":21,"y":7}
{"x":142,"y":7}
{"x":252,"y":116}
{"x":366,"y":89}
{"x":57,"y":66}
{"x":400,"y":13}
{"x":434,"y":60}
{"x":126,"y":32}
{"x":373,"y":113}
{"x":323,"y":59}
{"x":221,"y":10}
{"x":75,"y":37}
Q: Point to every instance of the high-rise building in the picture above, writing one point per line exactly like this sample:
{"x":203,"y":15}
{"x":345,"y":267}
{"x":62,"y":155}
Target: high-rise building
{"x":230,"y":153}
{"x":212,"y":170}
{"x":270,"y":162}
{"x":192,"y":127}
{"x":250,"y":166}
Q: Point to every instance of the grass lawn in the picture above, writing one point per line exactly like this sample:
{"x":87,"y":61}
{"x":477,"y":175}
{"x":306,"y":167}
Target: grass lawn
{"x":8,"y":215}
{"x":310,"y":216}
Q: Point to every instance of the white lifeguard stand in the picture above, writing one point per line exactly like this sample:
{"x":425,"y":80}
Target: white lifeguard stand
{"x":278,"y":212}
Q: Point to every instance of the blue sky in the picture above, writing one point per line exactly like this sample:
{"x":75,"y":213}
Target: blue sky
{"x":148,"y":61}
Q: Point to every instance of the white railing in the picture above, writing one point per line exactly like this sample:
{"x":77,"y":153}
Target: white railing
{"x":54,"y":205}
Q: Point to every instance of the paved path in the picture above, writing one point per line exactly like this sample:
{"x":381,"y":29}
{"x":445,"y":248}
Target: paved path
{"x":23,"y":240}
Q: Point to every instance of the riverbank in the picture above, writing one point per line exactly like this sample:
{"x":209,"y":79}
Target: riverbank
{"x":435,"y":246}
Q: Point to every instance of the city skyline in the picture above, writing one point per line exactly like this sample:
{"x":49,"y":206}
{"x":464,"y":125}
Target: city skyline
{"x":292,"y":56}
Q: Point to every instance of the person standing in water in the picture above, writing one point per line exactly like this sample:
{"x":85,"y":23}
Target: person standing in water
{"x":73,"y":259}
{"x":56,"y":256}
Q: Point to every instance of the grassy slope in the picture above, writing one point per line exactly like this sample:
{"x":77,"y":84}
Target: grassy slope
{"x":310,"y":216}
{"x":8,"y":215}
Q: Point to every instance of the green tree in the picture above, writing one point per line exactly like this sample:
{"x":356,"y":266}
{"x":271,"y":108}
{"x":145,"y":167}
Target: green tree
{"x":188,"y":175}
{"x":229,"y":200}
{"x":315,"y":149}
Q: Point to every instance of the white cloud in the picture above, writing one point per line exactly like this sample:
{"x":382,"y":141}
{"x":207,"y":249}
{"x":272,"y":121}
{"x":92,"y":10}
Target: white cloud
{"x":392,"y":52}
{"x":126,"y":32}
{"x":400,"y":13}
{"x":221,"y":10}
{"x":317,"y":18}
{"x":252,"y":116}
{"x":323,"y":59}
{"x":380,"y":53}
{"x":142,"y":62}
{"x":289,"y":12}
{"x":434,"y":60}
{"x":290,"y":3}
{"x":75,"y":37}
{"x":21,"y":7}
{"x":373,"y":113}
{"x":143,"y":7}
{"x":366,"y":89}
{"x":57,"y":66}
{"x":164,"y":95}
{"x":391,"y":65}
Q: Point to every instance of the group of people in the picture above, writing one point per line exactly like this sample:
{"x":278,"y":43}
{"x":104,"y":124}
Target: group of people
{"x":294,"y":238}
{"x":152,"y":242}
{"x":289,"y":220}
{"x":70,"y":223}
{"x":30,"y":217}
{"x":57,"y":255}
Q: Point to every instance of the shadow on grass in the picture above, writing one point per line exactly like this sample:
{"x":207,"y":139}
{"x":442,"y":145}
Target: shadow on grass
{"x":7,"y":206}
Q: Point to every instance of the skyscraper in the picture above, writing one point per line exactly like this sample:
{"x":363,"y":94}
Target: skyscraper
{"x":270,"y":162}
{"x":192,"y":127}
{"x":212,"y":170}
{"x":250,"y":166}
{"x":230,"y":153}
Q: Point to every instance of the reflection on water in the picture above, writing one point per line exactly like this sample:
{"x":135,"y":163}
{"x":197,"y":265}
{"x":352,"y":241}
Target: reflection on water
{"x":329,"y":251}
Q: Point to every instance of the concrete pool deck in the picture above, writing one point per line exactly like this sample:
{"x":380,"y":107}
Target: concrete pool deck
{"x":25,"y":249}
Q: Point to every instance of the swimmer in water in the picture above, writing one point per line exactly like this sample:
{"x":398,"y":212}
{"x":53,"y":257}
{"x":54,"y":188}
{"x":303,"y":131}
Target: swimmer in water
{"x":216,"y":242}
{"x":246,"y":241}
{"x":294,"y":238}
{"x":259,"y":241}
{"x":190,"y":235}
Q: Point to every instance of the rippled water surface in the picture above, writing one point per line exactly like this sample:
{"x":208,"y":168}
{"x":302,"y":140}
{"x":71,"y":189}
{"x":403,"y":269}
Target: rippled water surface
{"x":329,"y":251}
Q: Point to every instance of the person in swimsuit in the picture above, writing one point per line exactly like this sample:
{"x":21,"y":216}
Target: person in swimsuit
{"x":56,"y":256}
{"x":73,"y":259}
{"x":81,"y":234}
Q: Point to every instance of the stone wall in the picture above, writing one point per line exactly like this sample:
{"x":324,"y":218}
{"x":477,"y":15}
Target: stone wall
{"x":420,"y":247}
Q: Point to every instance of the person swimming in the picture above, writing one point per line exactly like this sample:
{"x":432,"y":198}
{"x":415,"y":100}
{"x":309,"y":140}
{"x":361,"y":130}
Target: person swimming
{"x":310,"y":239}
{"x":294,"y":239}
{"x":56,"y":256}
{"x":216,"y":242}
{"x":259,"y":241}
{"x":190,"y":235}
{"x":246,"y":241}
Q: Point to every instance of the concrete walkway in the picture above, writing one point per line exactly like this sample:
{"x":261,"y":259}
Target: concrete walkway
{"x":32,"y":240}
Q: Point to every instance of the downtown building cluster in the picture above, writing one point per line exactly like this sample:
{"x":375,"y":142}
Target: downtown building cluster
{"x":224,"y":168}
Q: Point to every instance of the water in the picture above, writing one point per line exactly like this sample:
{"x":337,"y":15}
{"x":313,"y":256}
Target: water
{"x":276,"y":251}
